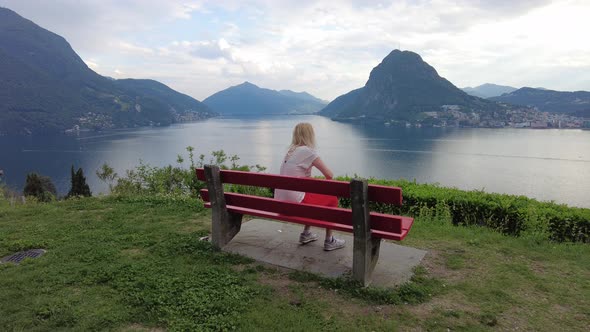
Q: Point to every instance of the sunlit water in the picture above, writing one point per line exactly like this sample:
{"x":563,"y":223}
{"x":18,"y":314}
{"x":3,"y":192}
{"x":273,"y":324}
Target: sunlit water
{"x":545,"y":164}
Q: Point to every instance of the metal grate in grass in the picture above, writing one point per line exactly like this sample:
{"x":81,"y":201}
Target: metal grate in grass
{"x":19,"y":256}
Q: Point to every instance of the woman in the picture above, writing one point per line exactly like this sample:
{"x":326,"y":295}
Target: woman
{"x":298,"y":162}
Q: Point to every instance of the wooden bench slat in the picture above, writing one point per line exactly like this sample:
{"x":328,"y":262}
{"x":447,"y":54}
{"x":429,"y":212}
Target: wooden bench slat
{"x":326,"y":187}
{"x":283,"y":217}
{"x":377,"y":193}
{"x":318,"y":223}
{"x":385,"y":194}
{"x":379,"y":222}
{"x":407,"y":223}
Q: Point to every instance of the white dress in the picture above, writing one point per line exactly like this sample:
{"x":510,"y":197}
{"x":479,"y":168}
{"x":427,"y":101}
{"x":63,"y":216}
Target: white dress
{"x":297,"y":163}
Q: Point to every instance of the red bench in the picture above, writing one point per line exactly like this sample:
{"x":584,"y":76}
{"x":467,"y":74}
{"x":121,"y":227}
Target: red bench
{"x":368,"y":228}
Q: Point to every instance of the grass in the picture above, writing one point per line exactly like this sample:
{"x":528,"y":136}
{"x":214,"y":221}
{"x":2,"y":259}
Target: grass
{"x":136,"y":264}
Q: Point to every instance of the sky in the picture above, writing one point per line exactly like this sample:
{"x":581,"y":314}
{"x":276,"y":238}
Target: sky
{"x":326,"y":48}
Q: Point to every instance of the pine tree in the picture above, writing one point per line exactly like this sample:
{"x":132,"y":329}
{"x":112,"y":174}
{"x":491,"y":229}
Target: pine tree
{"x":73,"y":183}
{"x":79,"y":185}
{"x":84,"y":188}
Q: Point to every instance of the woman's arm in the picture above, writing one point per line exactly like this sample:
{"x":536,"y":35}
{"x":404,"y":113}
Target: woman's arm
{"x":319,"y":164}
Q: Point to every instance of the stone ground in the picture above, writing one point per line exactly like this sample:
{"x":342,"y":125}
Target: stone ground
{"x":277,"y":243}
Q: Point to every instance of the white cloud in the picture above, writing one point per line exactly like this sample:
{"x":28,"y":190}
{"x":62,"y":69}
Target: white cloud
{"x":92,"y":64}
{"x":184,"y":10}
{"x":134,"y":49}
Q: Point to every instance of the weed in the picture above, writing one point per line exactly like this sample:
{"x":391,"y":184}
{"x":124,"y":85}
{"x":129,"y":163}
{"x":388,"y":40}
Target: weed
{"x":418,"y":290}
{"x":488,"y":319}
{"x":304,"y":276}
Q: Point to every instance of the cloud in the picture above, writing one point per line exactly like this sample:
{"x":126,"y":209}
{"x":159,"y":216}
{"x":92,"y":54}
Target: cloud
{"x":94,"y":25}
{"x":323,"y":47}
{"x":92,"y":64}
{"x":206,"y":49}
{"x":134,"y":49}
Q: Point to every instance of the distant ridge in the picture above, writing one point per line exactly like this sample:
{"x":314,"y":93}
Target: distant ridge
{"x":403,"y":87}
{"x":577,"y":102}
{"x":45,"y":87}
{"x":488,"y":90}
{"x":304,"y":96}
{"x":249,"y":99}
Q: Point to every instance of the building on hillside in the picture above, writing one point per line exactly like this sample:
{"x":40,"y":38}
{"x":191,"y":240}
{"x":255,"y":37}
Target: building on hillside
{"x":521,"y":124}
{"x":447,"y":108}
{"x":539,"y":124}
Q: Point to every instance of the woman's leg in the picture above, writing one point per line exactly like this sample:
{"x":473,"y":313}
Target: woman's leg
{"x":321,"y":200}
{"x":330,"y":243}
{"x":307,"y":236}
{"x":328,"y":235}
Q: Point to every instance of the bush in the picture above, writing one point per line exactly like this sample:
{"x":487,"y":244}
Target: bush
{"x":40,"y":187}
{"x":176,"y":180}
{"x":509,"y":214}
{"x":569,"y":224}
{"x":107,"y":174}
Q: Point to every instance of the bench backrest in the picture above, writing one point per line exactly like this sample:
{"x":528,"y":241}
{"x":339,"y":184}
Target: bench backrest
{"x":377,"y":193}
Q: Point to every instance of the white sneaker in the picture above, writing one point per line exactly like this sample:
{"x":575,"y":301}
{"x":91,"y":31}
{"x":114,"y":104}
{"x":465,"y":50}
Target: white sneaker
{"x":307,"y":237}
{"x":334,"y":244}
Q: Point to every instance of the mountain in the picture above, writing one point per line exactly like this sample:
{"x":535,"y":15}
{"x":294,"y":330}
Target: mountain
{"x":488,"y":90}
{"x":304,"y":96}
{"x":249,"y":99}
{"x":45,"y":87}
{"x":548,"y":100}
{"x":153,"y":96}
{"x":403,"y":87}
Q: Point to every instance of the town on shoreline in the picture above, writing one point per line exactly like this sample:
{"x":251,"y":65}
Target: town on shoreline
{"x":452,"y":116}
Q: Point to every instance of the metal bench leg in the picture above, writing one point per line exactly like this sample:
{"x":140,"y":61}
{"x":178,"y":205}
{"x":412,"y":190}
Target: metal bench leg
{"x":224,"y":224}
{"x":366,"y":247}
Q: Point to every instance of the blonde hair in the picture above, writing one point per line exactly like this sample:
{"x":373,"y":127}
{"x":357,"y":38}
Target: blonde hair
{"x":303,"y":134}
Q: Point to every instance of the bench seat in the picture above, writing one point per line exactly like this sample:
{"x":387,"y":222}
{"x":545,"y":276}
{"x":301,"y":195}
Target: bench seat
{"x":384,"y":226}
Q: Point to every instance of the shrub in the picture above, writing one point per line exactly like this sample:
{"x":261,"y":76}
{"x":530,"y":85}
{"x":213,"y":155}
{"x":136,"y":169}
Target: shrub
{"x":509,"y":214}
{"x":107,"y":174}
{"x":177,"y":180}
{"x":40,"y":187}
{"x":569,"y":224}
{"x":79,"y":185}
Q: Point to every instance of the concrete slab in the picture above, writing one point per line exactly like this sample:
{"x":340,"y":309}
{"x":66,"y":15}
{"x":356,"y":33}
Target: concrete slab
{"x":277,"y":243}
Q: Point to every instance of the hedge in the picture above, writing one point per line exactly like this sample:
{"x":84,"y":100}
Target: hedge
{"x":508,"y":214}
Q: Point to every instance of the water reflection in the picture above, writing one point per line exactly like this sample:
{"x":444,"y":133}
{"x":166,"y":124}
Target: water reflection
{"x":549,"y":165}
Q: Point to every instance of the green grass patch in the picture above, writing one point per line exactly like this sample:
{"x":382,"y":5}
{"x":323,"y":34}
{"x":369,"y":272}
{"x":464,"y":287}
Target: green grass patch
{"x":131,"y":263}
{"x":418,"y":290}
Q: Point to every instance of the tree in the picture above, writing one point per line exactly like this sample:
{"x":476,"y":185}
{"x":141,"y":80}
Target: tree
{"x":40,"y":187}
{"x":107,"y":174}
{"x":79,"y":185}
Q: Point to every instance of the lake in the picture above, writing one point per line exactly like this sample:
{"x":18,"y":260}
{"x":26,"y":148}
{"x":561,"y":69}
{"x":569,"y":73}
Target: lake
{"x":544,"y":164}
